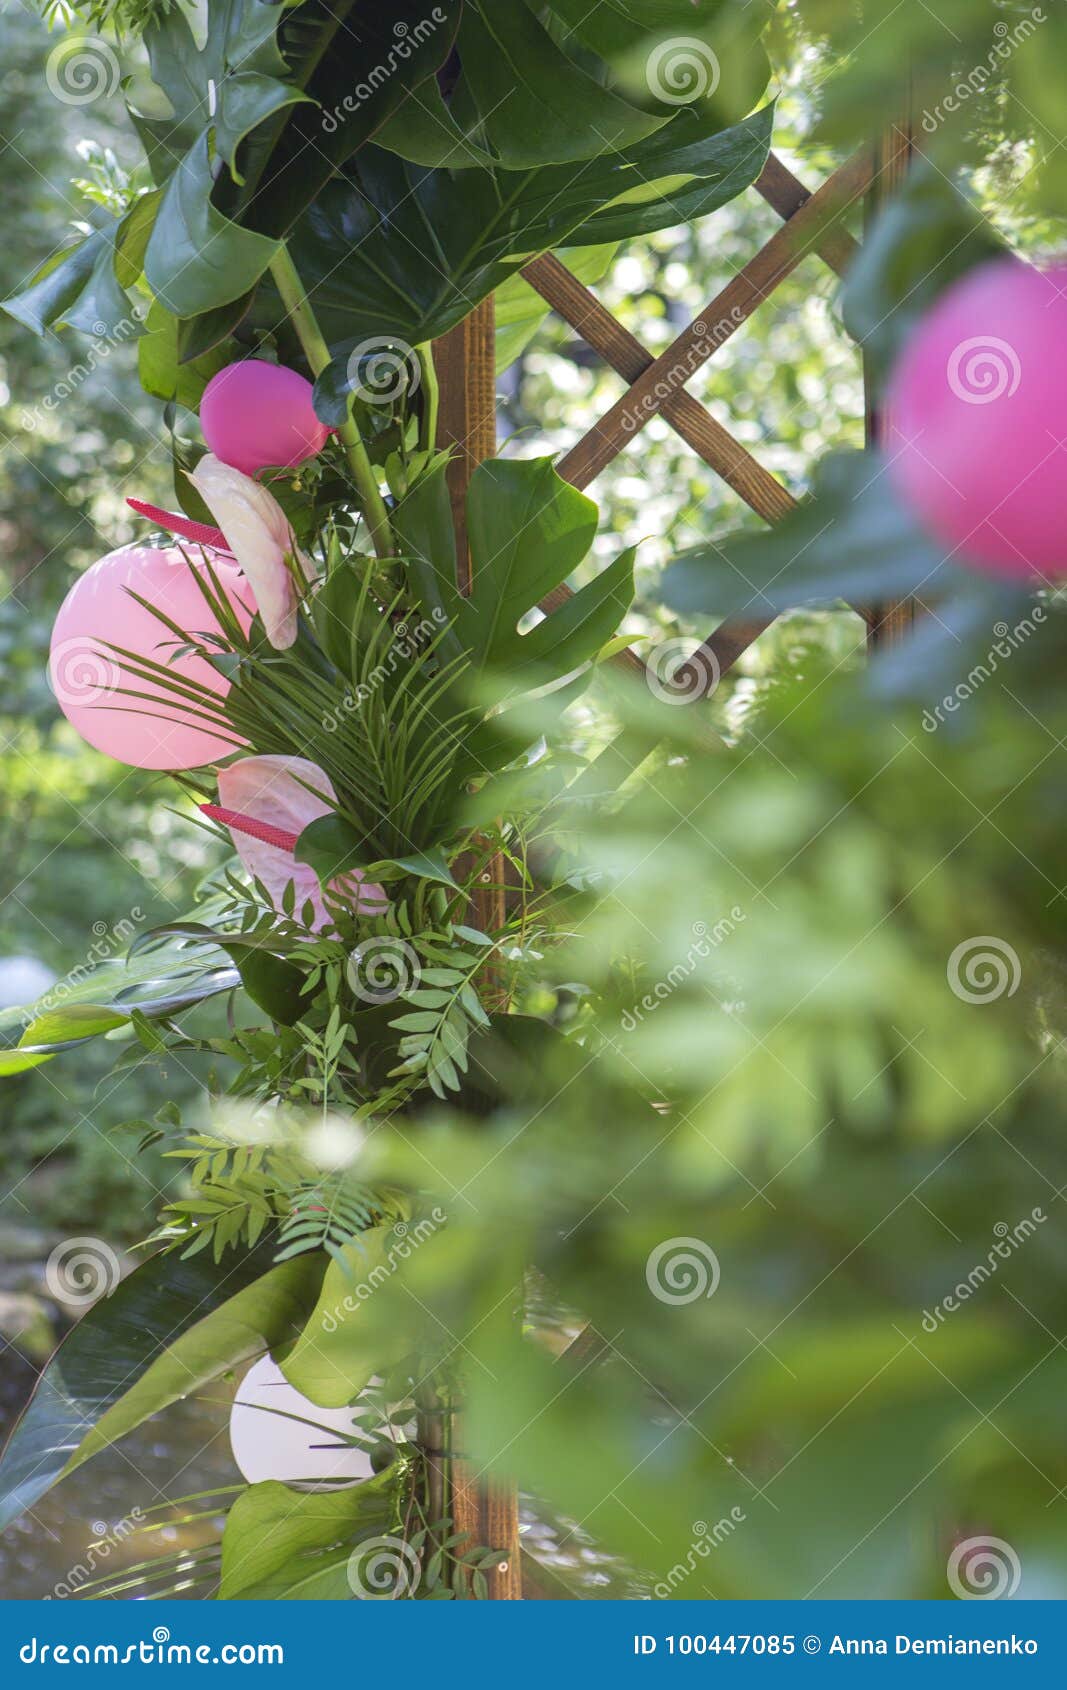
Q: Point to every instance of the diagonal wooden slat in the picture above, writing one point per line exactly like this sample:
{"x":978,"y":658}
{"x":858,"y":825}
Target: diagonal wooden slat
{"x":574,"y":302}
{"x":722,"y":317}
{"x":658,"y":384}
{"x":787,"y":194}
{"x":888,"y":624}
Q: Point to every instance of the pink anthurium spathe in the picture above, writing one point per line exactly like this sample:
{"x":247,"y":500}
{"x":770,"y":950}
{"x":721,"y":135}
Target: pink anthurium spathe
{"x":259,"y":536}
{"x":267,"y":802}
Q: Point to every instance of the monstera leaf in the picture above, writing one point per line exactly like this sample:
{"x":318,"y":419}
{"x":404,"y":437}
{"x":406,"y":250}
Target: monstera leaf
{"x":241,"y":130}
{"x":231,"y":83}
{"x":556,"y":110}
{"x":390,"y":250}
{"x":528,"y":531}
{"x":584,"y":80}
{"x":79,"y":287}
{"x":269,"y":132}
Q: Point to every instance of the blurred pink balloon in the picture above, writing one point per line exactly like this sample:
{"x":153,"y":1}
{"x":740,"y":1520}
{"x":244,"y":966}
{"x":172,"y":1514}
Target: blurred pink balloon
{"x":99,"y":612}
{"x":253,"y":414}
{"x":978,"y":419}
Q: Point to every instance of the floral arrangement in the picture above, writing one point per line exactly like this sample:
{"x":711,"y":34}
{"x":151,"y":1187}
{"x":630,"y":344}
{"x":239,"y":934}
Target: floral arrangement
{"x":481,"y":1083}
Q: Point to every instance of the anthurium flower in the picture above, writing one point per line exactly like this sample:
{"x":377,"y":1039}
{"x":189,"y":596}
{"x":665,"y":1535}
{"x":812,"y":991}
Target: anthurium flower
{"x":198,"y":532}
{"x":267,"y":802}
{"x":259,"y":536}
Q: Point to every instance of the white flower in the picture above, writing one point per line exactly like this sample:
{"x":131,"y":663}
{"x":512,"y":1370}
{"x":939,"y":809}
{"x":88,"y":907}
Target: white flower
{"x":258,"y":534}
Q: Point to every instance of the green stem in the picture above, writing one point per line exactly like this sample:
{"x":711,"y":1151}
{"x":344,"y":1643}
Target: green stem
{"x":298,"y":309}
{"x":431,"y":391}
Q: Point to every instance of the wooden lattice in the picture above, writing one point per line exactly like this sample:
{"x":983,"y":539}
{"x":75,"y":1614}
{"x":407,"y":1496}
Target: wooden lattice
{"x":813,"y":222}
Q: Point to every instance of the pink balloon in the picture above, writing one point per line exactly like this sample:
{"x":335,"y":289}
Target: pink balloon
{"x":253,"y":414}
{"x":86,"y":675}
{"x":978,"y":419}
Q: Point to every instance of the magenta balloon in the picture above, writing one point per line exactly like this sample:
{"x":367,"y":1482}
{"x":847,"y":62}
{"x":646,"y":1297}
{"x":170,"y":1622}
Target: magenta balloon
{"x":254,"y":414}
{"x":978,"y":415}
{"x":86,"y":675}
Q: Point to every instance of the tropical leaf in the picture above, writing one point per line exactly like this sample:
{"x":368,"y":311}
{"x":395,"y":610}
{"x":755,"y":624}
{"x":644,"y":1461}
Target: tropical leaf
{"x":196,"y":258}
{"x":330,"y":1362}
{"x":262,"y":1315}
{"x":271,"y":982}
{"x":288,"y":1545}
{"x":584,"y":81}
{"x":94,"y":1001}
{"x":165,"y":374}
{"x":556,"y":110}
{"x":390,"y":250}
{"x":855,"y":540}
{"x":529,"y":530}
{"x":78,"y":287}
{"x":109,"y":1351}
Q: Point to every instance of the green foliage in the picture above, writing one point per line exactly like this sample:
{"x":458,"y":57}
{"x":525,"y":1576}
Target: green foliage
{"x":287,"y":1546}
{"x":111,"y":1351}
{"x":361,"y":251}
{"x":719,"y":1012}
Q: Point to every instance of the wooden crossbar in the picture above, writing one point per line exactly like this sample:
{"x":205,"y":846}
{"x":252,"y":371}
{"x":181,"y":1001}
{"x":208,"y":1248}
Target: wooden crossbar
{"x":687,"y":416}
{"x":787,"y":194}
{"x":657,"y":385}
{"x":720,"y":319}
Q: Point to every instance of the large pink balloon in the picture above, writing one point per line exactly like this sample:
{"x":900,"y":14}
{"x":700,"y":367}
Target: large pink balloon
{"x":86,"y":676}
{"x":254,"y":414}
{"x":978,"y":419}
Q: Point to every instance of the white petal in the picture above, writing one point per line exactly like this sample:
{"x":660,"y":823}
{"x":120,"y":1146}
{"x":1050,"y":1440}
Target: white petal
{"x":257,"y":531}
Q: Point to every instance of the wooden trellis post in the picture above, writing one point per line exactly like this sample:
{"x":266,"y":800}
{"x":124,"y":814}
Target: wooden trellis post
{"x":887,"y":624}
{"x":465,"y":359}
